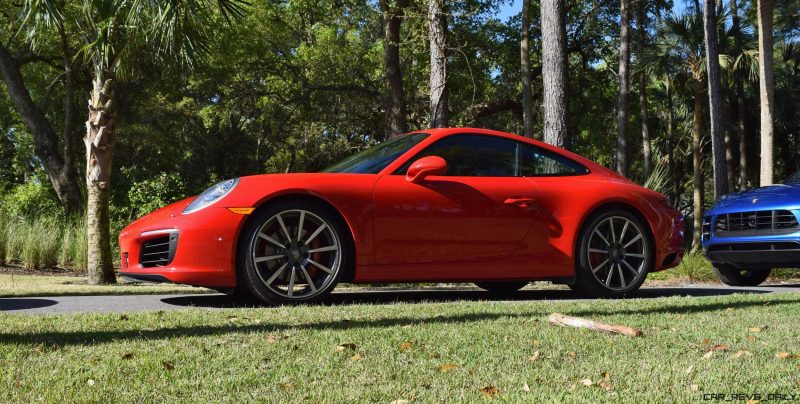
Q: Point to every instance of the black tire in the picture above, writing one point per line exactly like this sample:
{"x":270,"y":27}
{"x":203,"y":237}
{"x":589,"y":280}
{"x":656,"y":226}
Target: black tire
{"x":732,"y":276}
{"x":638,"y":257}
{"x":292,"y":251}
{"x":501,"y":286}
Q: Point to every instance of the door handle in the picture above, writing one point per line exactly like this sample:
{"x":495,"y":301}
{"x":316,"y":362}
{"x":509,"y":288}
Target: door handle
{"x":522,"y":202}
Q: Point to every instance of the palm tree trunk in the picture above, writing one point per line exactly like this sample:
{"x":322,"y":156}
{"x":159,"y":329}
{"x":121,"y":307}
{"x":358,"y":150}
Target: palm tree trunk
{"x":554,"y":72}
{"x":437,"y":29}
{"x":673,"y":168}
{"x":100,"y":140}
{"x":766,"y":87}
{"x":525,"y":71}
{"x":715,"y":99}
{"x":641,"y":24}
{"x":622,"y":94}
{"x":697,"y":164}
{"x":396,"y":108}
{"x":740,"y":106}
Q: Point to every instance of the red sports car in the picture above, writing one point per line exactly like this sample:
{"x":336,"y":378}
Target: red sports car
{"x":454,"y":205}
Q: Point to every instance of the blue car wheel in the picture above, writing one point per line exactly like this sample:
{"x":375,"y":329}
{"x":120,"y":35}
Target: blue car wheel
{"x":732,"y":276}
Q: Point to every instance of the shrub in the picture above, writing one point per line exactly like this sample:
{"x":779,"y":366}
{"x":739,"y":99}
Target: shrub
{"x":148,"y":195}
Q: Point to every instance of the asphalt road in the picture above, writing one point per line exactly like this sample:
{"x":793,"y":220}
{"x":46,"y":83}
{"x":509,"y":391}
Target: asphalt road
{"x":131,"y":303}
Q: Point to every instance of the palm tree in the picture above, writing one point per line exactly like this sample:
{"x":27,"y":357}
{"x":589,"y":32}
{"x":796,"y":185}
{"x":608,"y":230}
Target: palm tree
{"x":678,"y":53}
{"x":114,"y":31}
{"x":718,"y":149}
{"x":766,"y":87}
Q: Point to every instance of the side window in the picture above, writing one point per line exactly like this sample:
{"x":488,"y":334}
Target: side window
{"x":538,"y":162}
{"x":473,"y":156}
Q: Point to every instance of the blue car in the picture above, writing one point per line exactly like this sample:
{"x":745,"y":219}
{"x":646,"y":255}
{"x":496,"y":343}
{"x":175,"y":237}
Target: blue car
{"x":747,"y":234}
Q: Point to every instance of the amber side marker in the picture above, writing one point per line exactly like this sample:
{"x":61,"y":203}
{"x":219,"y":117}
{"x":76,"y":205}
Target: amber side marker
{"x":242,"y":211}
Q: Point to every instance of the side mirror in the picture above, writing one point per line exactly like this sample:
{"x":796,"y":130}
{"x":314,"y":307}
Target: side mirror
{"x":424,"y":167}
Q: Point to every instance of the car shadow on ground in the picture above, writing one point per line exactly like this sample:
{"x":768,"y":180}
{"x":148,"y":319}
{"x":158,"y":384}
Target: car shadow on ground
{"x":24,"y":303}
{"x":452,"y":295}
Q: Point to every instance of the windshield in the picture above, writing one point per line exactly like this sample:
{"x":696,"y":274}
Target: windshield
{"x":376,"y":158}
{"x":793,"y":178}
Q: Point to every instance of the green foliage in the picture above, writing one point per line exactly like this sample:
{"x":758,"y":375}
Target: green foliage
{"x":31,"y":199}
{"x":148,"y":195}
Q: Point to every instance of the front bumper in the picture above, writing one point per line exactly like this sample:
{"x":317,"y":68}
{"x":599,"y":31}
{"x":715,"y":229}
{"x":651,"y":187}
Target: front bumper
{"x":751,"y":252}
{"x":204,"y":251}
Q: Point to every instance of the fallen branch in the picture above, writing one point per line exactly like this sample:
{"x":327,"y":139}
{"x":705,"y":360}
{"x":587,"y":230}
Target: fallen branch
{"x":567,"y":321}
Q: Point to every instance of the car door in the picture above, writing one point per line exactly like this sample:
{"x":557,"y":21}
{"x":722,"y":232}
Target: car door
{"x":481,"y":209}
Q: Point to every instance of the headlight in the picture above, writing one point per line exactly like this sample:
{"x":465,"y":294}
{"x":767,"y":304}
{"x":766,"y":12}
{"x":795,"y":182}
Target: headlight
{"x":211,"y":195}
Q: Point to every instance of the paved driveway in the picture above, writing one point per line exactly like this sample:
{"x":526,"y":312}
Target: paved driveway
{"x":130,"y":303}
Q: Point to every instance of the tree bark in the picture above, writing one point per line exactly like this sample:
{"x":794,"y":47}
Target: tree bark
{"x":62,"y":179}
{"x":396,"y":108}
{"x":437,"y":30}
{"x":525,"y":71}
{"x":715,"y":99}
{"x":697,"y":163}
{"x":554,"y":72}
{"x":622,"y":94}
{"x":673,"y":169}
{"x":740,"y":106}
{"x":100,"y":140}
{"x":641,"y":25}
{"x":766,"y":87}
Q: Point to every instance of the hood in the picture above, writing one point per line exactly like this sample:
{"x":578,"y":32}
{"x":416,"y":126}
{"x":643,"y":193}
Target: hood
{"x":779,"y":196}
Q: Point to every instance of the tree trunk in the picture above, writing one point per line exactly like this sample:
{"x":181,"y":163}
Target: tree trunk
{"x":641,"y":25}
{"x":554,"y":72}
{"x":62,"y":179}
{"x":697,"y":164}
{"x":766,"y":87}
{"x":525,"y":71}
{"x":673,"y":169}
{"x":437,"y":28}
{"x":100,"y":140}
{"x":715,"y":99}
{"x":622,"y":94}
{"x":396,"y":108}
{"x":740,"y":106}
{"x":71,"y":65}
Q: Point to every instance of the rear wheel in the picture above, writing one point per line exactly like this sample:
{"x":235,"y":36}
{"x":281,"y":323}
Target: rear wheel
{"x":614,"y":255}
{"x":291,"y":252}
{"x":732,"y":276}
{"x":502,"y":287}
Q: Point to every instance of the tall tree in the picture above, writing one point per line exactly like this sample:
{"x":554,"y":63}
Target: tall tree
{"x":437,"y":31}
{"x":622,"y":91}
{"x":715,"y":98}
{"x":525,"y":70}
{"x":58,"y":167}
{"x":554,"y":72}
{"x":396,"y":108}
{"x":766,"y":87}
{"x":641,"y":27}
{"x":113,"y":30}
{"x":741,"y":113}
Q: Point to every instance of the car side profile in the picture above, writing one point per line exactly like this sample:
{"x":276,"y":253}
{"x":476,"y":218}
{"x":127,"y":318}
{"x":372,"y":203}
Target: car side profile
{"x":747,"y":234}
{"x":452,"y":204}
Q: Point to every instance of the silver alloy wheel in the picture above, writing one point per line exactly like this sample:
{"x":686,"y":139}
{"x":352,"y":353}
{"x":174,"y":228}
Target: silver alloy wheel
{"x":296,"y":254}
{"x":617,"y":253}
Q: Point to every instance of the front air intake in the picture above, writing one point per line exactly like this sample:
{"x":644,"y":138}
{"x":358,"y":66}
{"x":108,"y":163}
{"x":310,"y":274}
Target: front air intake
{"x":756,"y":223}
{"x":159,"y":251}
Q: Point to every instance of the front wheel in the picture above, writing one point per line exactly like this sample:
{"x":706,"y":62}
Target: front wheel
{"x":741,"y":277}
{"x":291,"y":253}
{"x":614,"y":255}
{"x":502,"y":287}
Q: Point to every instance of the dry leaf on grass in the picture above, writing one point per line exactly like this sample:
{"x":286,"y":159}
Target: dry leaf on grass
{"x":345,"y":347}
{"x":400,"y":401}
{"x":694,"y":387}
{"x":491,"y":392}
{"x":757,"y":329}
{"x":446,"y":367}
{"x":720,"y":347}
{"x":90,"y":382}
{"x":272,"y":339}
{"x":356,"y":357}
{"x":586,"y":382}
{"x":708,"y":355}
{"x":406,"y":345}
{"x":706,"y":341}
{"x":526,"y":388}
{"x":740,"y":354}
{"x":689,"y":369}
{"x":287,"y":386}
{"x":751,"y":338}
{"x":787,"y":355}
{"x":572,"y":354}
{"x":534,"y":357}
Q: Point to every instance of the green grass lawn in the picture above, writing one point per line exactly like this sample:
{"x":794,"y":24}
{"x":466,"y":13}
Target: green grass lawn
{"x":422,"y":352}
{"x":17,"y":284}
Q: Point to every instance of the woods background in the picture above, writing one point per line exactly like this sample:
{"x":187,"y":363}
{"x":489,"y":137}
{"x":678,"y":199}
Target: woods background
{"x":186,"y":93}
